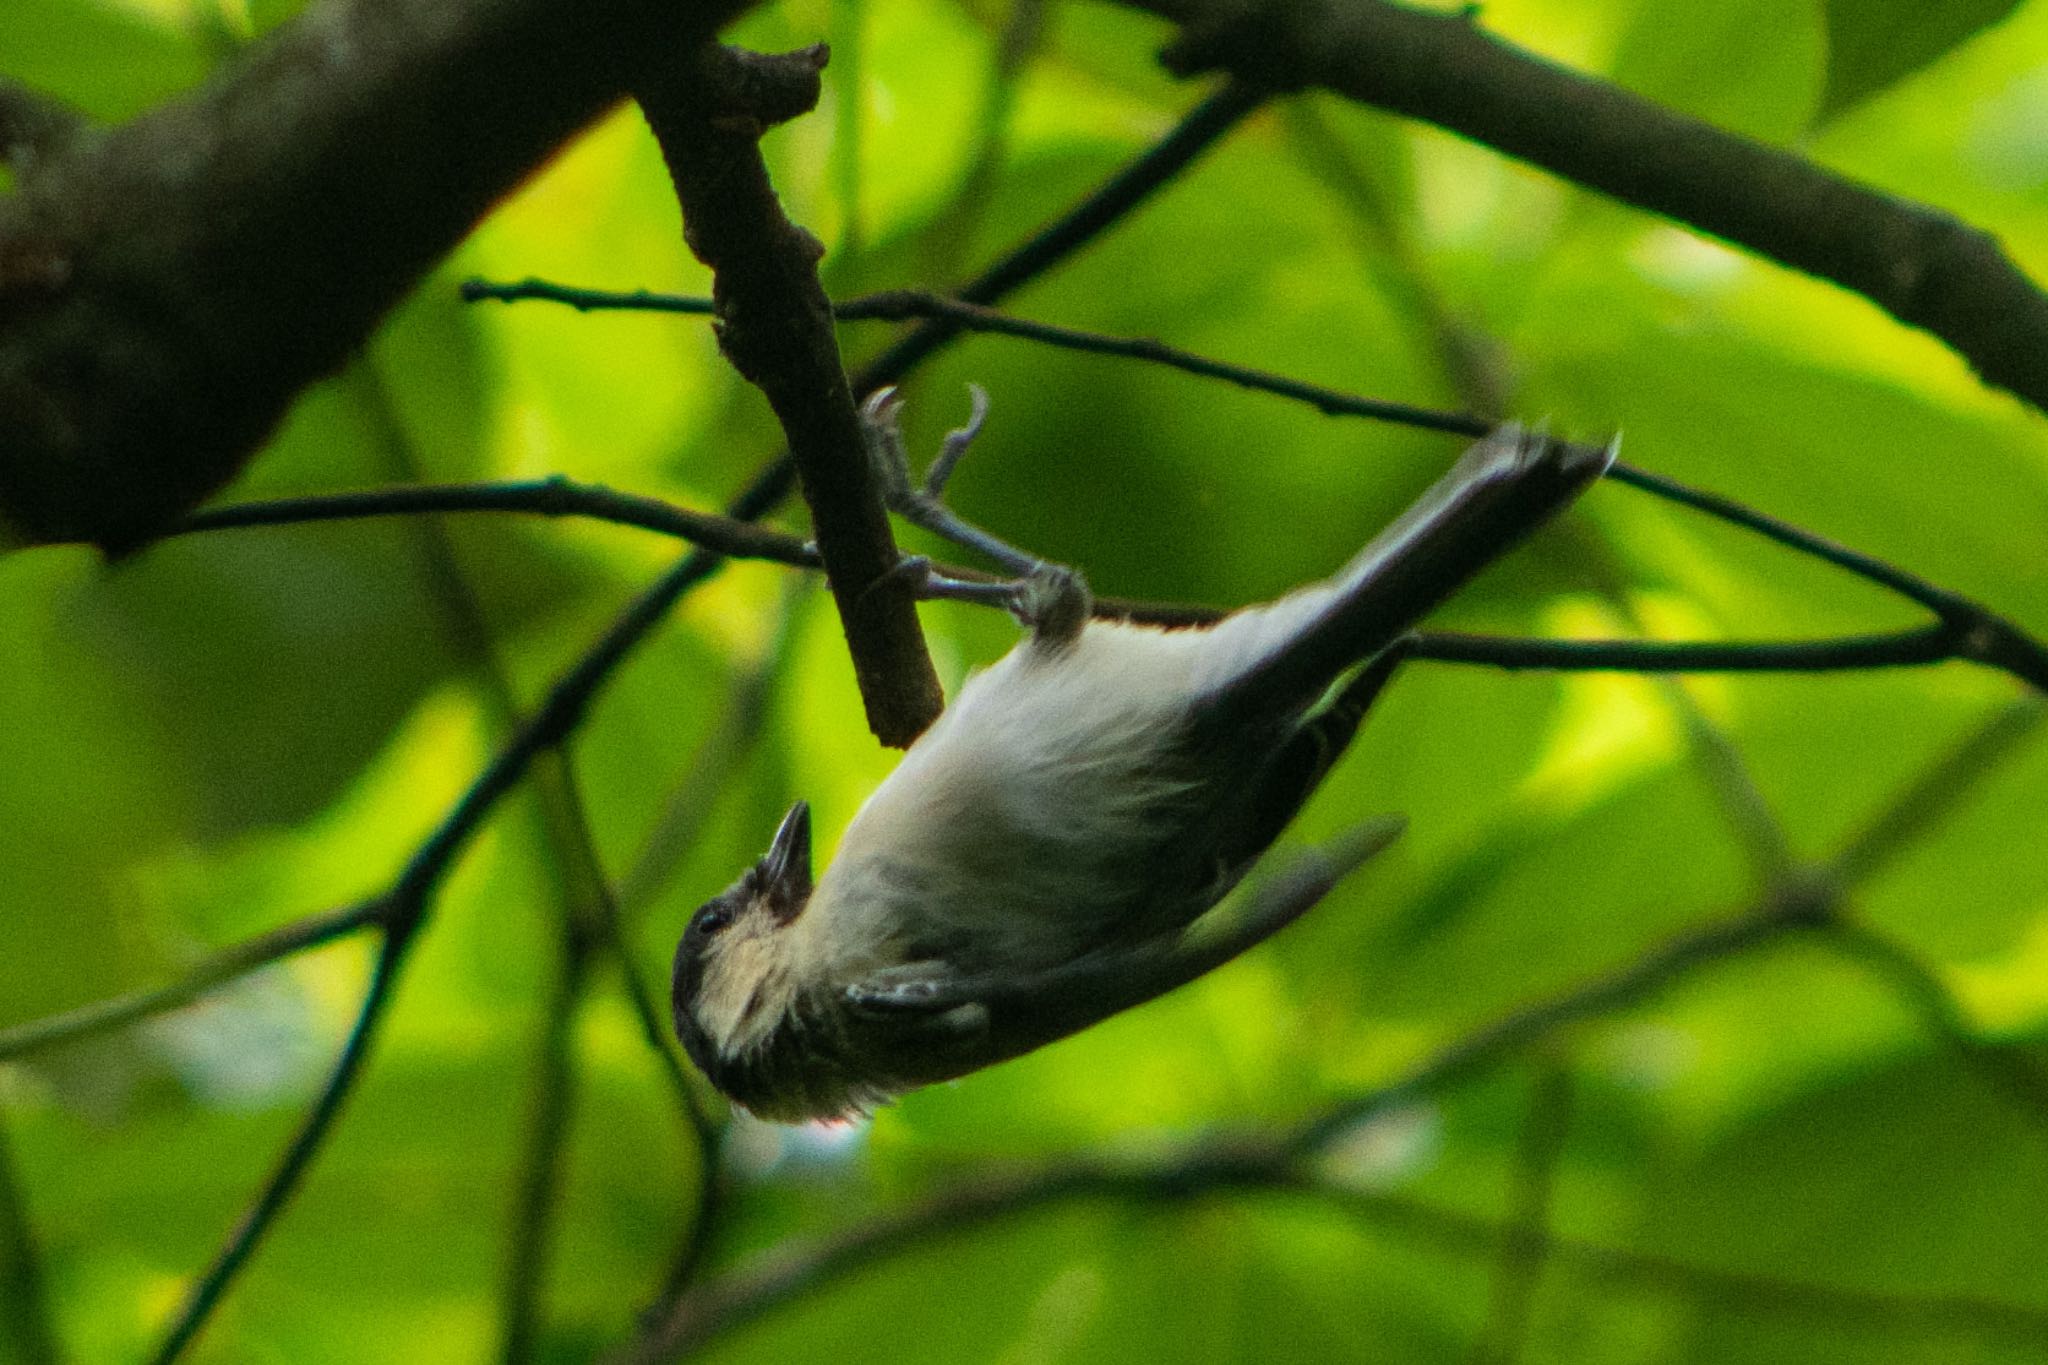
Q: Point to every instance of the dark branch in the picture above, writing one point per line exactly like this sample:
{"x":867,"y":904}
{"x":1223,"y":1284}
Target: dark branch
{"x":959,"y":315}
{"x":1933,"y":795}
{"x":553,"y":497}
{"x":2014,"y":1075}
{"x":33,"y":126}
{"x":786,"y":1276}
{"x":538,"y":1188}
{"x":558,"y":497}
{"x":169,"y":286}
{"x":775,"y":325}
{"x":1488,"y":1045}
{"x":1925,"y":267}
{"x":210,"y":975}
{"x":1970,"y":631}
{"x":298,"y":1154}
{"x":1906,"y":648}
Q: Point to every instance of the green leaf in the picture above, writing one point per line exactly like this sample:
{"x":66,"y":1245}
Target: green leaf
{"x":1751,"y":66}
{"x":109,"y":59}
{"x":1874,"y":44}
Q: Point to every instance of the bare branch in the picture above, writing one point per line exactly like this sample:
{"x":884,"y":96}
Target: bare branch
{"x":538,"y":1185}
{"x":1970,"y":630}
{"x":298,"y":1154}
{"x":775,"y":325}
{"x":552,"y":497}
{"x":728,"y":536}
{"x":1935,"y":793}
{"x":960,"y":315}
{"x":223,"y":967}
{"x":1925,"y":267}
{"x":787,"y":1275}
{"x":1488,"y":1045}
{"x":2013,"y":1074}
{"x":168,"y":286}
{"x":33,"y":126}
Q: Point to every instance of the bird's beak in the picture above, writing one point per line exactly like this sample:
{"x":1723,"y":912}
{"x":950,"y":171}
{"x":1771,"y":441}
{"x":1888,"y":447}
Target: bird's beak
{"x":786,"y":870}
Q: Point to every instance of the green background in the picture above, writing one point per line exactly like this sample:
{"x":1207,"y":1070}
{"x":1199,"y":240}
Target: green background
{"x":234,"y":730}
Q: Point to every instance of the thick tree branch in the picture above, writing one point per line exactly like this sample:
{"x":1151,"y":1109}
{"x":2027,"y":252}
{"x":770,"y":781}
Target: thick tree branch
{"x":32,"y":126}
{"x":168,"y":286}
{"x":1924,"y":266}
{"x":775,"y":325}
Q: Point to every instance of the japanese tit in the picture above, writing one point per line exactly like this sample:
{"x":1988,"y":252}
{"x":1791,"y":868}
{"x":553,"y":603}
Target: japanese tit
{"x":1041,"y":857}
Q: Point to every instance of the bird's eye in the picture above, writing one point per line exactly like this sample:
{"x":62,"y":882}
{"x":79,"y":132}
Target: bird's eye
{"x":712,"y":916}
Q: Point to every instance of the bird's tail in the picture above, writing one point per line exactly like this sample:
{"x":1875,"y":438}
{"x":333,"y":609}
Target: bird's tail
{"x":1503,"y":488}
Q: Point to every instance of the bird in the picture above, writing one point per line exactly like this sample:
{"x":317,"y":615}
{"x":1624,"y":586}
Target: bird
{"x":1049,"y":851}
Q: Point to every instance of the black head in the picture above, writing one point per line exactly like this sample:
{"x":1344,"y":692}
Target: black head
{"x":726,"y":958}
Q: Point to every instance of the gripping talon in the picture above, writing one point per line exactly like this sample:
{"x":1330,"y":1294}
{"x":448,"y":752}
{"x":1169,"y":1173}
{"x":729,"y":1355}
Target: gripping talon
{"x":913,"y":569}
{"x":879,"y":424}
{"x":1048,"y":612}
{"x":956,"y":443}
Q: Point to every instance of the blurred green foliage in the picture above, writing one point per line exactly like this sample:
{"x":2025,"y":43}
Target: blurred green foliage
{"x":234,"y":730}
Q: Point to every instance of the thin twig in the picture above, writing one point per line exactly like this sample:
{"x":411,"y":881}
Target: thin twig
{"x":1746,"y":1292}
{"x":540,"y":1165}
{"x":210,"y":975}
{"x":550,"y":497}
{"x":1949,"y":606}
{"x":960,"y":315}
{"x":1489,"y":1044}
{"x":1932,"y":795}
{"x":1974,"y":632}
{"x":2015,"y":1075}
{"x":298,"y":1154}
{"x":787,"y":1275}
{"x":729,"y":537}
{"x":1900,"y":649}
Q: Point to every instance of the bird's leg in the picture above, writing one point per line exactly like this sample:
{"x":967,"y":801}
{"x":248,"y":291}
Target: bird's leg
{"x":1054,"y":601}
